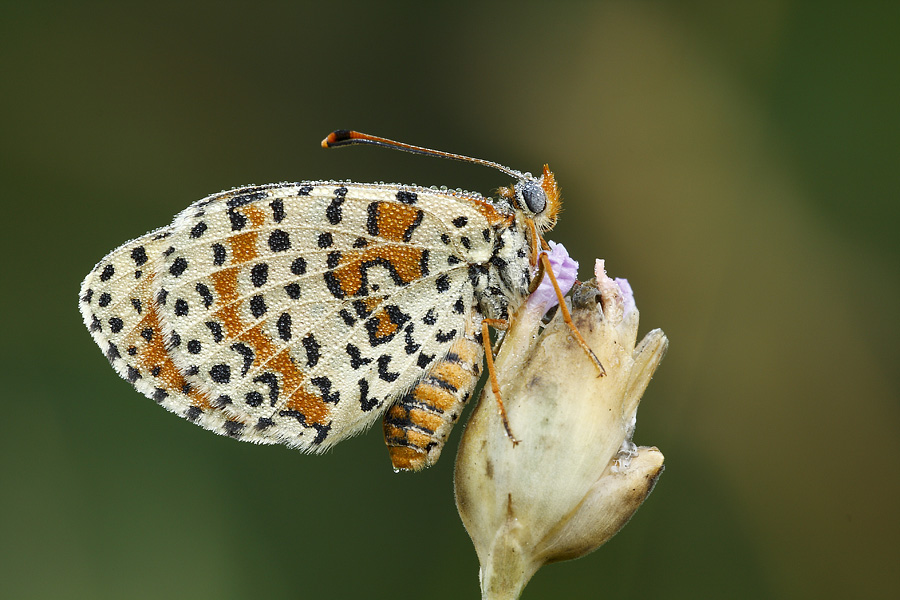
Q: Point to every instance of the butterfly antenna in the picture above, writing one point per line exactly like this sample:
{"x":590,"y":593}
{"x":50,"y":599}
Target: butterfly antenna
{"x":347,"y":137}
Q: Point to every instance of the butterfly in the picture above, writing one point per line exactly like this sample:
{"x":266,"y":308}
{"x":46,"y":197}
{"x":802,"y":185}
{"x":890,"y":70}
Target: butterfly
{"x":300,"y":313}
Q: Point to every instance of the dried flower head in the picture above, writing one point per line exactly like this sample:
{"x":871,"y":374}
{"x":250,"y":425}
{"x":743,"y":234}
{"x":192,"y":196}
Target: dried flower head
{"x":575,"y":478}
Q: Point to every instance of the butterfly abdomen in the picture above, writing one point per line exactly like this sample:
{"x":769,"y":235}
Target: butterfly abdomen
{"x":417,"y":426}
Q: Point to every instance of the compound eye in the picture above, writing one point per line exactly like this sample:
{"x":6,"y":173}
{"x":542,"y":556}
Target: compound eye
{"x":534,"y":197}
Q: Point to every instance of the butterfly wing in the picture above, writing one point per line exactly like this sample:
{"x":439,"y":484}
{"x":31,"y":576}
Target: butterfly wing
{"x":297,"y":313}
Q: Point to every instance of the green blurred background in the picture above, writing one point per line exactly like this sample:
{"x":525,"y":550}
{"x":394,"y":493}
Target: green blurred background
{"x":737,"y":162}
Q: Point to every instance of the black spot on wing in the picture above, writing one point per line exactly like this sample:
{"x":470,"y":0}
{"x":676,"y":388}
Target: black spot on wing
{"x":292,"y":290}
{"x":246,"y":196}
{"x":411,"y":346}
{"x":246,"y":353}
{"x":238,"y":221}
{"x":215,"y":329}
{"x":271,"y":381}
{"x":425,"y":359}
{"x":334,"y":212}
{"x":205,"y":294}
{"x":178,"y":266}
{"x":407,"y":197}
{"x":442,"y":337}
{"x":139,"y":256}
{"x":279,"y":241}
{"x":258,"y":306}
{"x":347,"y":317}
{"x":277,"y":210}
{"x":259,"y":274}
{"x":334,"y":259}
{"x":233,"y":428}
{"x":298,"y":267}
{"x":199,"y":229}
{"x":383,"y":372}
{"x":356,"y":358}
{"x":312,"y":350}
{"x":365,"y":403}
{"x":284,"y":326}
{"x":220,"y":373}
{"x":324,"y":384}
{"x":116,"y":324}
{"x":372,"y":218}
{"x":219,"y":254}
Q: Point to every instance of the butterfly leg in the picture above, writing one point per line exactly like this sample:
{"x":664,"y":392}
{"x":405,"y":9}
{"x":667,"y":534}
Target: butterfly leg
{"x":567,"y":318}
{"x":499,"y":324}
{"x":418,"y":425}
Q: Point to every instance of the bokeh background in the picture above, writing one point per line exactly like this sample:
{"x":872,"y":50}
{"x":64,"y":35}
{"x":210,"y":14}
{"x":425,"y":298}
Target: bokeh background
{"x":737,"y":162}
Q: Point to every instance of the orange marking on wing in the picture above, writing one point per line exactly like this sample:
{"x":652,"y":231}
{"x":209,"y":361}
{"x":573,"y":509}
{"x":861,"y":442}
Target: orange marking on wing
{"x":372,"y":302}
{"x":311,"y":405}
{"x":406,"y":261}
{"x":490,"y":213}
{"x":225,"y":284}
{"x":394,"y":220}
{"x":153,"y":354}
{"x":243,"y":247}
{"x":313,"y":408}
{"x":386,"y":327}
{"x":256,"y":215}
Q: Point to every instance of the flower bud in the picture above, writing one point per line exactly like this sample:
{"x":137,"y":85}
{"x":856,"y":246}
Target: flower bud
{"x":574,"y":478}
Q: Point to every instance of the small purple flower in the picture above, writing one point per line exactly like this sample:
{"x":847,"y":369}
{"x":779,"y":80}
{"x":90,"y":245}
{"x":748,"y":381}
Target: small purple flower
{"x":566,"y":270}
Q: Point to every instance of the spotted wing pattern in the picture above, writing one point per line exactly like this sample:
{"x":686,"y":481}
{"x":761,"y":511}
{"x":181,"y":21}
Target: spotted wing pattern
{"x":118,"y":303}
{"x":293,"y":313}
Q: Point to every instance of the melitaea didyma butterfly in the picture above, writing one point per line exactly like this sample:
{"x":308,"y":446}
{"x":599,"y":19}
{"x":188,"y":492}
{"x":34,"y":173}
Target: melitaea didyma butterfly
{"x":299,"y":313}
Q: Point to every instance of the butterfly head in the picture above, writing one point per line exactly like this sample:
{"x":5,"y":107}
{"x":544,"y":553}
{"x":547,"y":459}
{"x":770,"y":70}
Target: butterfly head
{"x":537,"y":197}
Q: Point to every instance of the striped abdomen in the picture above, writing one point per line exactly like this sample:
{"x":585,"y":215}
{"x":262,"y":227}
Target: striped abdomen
{"x":417,"y":426}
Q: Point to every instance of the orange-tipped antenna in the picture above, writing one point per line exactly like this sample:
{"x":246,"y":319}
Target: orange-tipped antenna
{"x":346,"y":137}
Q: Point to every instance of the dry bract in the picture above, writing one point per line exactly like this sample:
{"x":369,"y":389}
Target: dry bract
{"x":575,"y":478}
